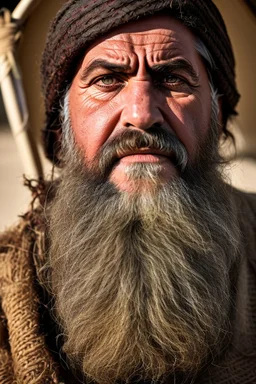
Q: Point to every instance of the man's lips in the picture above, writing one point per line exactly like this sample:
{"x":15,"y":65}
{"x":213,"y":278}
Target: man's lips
{"x":144,"y":155}
{"x":165,"y":161}
{"x":143,"y":158}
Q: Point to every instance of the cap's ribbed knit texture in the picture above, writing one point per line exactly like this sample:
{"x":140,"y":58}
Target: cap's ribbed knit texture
{"x":79,"y":22}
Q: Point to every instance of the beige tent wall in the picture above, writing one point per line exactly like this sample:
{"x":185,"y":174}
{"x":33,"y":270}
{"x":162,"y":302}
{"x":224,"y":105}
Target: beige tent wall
{"x":241,"y":26}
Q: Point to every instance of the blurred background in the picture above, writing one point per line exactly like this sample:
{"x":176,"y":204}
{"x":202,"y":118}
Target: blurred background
{"x":240,"y":17}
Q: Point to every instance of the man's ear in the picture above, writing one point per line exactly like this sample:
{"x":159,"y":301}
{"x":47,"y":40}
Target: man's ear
{"x":58,"y":134}
{"x":57,"y":144}
{"x":220,"y":116}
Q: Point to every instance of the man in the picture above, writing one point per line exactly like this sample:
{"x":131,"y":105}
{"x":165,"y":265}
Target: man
{"x":138,"y":265}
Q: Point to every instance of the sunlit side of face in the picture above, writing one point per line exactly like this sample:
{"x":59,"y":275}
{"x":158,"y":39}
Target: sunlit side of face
{"x":138,"y":77}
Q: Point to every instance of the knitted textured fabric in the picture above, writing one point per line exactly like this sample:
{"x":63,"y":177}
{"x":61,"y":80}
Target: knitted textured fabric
{"x":24,"y":357}
{"x":80,"y":22}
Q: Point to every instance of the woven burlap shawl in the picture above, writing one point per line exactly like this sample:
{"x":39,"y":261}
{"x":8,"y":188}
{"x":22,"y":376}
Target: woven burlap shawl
{"x":24,"y":357}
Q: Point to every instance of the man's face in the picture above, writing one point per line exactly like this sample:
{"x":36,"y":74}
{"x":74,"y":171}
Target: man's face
{"x":140,"y":77}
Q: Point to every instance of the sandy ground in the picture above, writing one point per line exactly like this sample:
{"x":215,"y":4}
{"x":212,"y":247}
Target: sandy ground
{"x":14,"y":198}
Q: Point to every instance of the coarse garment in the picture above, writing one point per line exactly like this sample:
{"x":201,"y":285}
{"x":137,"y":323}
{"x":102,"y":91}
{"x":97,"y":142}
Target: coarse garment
{"x":28,"y":344}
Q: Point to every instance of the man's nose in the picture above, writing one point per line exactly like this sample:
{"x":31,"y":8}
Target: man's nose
{"x":141,"y":108}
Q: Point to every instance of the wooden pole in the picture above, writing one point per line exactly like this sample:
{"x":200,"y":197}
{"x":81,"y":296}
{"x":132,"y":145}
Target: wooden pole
{"x":23,"y":10}
{"x":18,"y":120}
{"x":14,"y":97}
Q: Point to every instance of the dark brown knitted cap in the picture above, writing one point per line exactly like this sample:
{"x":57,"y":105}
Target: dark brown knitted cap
{"x":79,"y":22}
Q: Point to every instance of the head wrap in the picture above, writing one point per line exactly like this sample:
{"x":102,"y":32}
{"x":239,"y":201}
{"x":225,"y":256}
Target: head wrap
{"x":80,"y":22}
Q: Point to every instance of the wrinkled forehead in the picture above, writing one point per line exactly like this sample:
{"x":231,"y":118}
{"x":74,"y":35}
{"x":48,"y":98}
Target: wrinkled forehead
{"x":158,"y":35}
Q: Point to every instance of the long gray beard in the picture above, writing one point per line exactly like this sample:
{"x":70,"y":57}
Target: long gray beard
{"x":141,"y":280}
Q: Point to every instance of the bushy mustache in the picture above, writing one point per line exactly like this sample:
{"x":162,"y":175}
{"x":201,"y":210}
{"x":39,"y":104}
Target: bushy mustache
{"x":155,"y":138}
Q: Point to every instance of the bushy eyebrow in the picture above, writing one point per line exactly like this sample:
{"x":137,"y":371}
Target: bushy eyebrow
{"x":100,"y":63}
{"x":174,"y":65}
{"x":168,"y":67}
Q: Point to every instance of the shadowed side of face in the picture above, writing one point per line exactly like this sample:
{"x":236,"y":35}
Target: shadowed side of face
{"x":145,"y":76}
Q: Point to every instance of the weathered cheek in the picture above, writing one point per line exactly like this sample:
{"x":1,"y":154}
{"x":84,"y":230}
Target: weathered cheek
{"x":183,"y":110}
{"x":188,"y":120}
{"x":202,"y":112}
{"x":92,"y":125}
{"x":193,"y":110}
